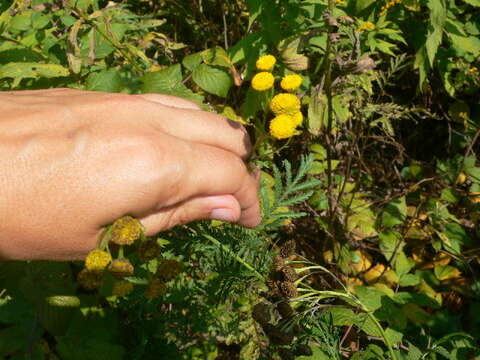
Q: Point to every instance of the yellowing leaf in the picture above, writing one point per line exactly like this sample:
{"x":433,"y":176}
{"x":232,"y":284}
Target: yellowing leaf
{"x":361,"y":261}
{"x":446,"y":272}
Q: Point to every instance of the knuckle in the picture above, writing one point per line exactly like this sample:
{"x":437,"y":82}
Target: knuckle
{"x":119,"y":101}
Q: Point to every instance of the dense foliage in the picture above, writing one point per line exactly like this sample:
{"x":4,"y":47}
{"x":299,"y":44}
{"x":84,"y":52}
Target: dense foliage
{"x":369,"y":246}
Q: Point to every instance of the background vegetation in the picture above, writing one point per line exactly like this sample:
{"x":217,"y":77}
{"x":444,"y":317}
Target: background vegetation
{"x":369,"y":246}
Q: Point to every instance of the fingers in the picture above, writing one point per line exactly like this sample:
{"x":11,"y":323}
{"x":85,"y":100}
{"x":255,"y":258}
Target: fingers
{"x":171,"y":101}
{"x":209,"y":129}
{"x":221,"y":207}
{"x":219,"y":172}
{"x":188,"y":124}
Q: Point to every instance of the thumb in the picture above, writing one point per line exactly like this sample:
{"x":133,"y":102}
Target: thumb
{"x":217,"y":207}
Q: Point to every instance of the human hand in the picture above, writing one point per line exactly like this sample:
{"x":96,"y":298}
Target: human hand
{"x":74,"y":161}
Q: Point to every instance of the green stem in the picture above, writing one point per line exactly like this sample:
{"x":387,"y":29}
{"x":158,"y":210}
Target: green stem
{"x":328,"y":93}
{"x":235,"y":256}
{"x":111,"y":40}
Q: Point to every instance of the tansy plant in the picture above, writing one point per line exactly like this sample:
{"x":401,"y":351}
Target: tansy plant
{"x":102,"y":271}
{"x":286,"y":106}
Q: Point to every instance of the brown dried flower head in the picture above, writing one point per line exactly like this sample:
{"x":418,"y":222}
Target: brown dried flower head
{"x":120,"y":268}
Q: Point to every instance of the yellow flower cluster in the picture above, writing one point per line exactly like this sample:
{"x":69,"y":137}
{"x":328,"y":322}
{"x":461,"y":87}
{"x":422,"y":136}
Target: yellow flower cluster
{"x":291,"y":82}
{"x":266,"y":62}
{"x":284,"y":103}
{"x":288,"y":117}
{"x":263,"y":81}
{"x":473,"y":70}
{"x":367,"y":26}
{"x":340,"y":2}
{"x":97,"y":260}
{"x":125,"y":231}
{"x":282,"y":127}
{"x":388,"y":5}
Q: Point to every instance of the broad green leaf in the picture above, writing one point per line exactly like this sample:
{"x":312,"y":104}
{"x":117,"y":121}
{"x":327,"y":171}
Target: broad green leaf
{"x":404,"y":298}
{"x":212,"y":79}
{"x":39,"y":20}
{"x":474,"y":173}
{"x":216,"y":56}
{"x":449,"y":195}
{"x":391,"y":313}
{"x":169,"y":81}
{"x":368,"y":326}
{"x":192,"y":61}
{"x":162,"y":80}
{"x":21,"y":21}
{"x":395,"y":212}
{"x":403,"y":264}
{"x":19,"y":71}
{"x":446,"y":272}
{"x":105,"y":80}
{"x":455,"y":237}
{"x":393,"y":336}
{"x":409,"y":280}
{"x":20,"y":54}
{"x":370,"y":297}
{"x":464,"y":44}
{"x":438,"y":15}
{"x":343,"y":316}
{"x":390,"y":243}
{"x":473,"y":2}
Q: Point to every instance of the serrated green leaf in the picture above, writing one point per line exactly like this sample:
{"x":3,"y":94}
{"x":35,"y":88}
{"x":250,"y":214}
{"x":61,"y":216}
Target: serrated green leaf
{"x":409,"y":280}
{"x":162,"y":80}
{"x":192,"y":61}
{"x":343,"y":316}
{"x":465,"y":44}
{"x":395,"y":212}
{"x":403,"y":264}
{"x":390,"y":243}
{"x":370,"y":297}
{"x":438,"y":15}
{"x":22,"y":70}
{"x":105,"y":80}
{"x":213,"y":80}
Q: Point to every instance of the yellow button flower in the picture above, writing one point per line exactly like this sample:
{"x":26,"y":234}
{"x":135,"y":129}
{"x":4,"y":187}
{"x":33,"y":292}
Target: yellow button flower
{"x":291,"y":82}
{"x":262,"y":81}
{"x":266,"y":62}
{"x":297,"y":118}
{"x":90,"y":280}
{"x":126,"y":230}
{"x":366,"y":26}
{"x":283,"y":103}
{"x":97,"y":260}
{"x":282,"y":127}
